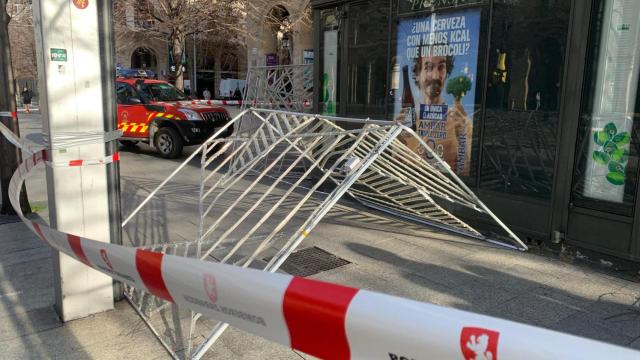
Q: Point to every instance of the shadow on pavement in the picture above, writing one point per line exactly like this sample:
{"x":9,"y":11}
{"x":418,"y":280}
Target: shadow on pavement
{"x":556,"y":296}
{"x":28,"y":320}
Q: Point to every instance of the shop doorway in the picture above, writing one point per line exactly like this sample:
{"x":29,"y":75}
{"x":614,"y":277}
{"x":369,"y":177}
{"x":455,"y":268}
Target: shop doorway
{"x":604,"y":211}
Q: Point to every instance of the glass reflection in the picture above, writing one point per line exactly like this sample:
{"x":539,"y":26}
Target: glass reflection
{"x":523,"y":96}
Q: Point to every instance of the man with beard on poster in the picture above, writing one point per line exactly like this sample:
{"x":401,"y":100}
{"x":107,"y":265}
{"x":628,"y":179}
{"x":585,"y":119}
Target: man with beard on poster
{"x":444,"y":128}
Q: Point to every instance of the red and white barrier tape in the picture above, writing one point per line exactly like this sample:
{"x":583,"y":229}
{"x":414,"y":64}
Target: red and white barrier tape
{"x":305,"y":103}
{"x":32,"y":150}
{"x":217,"y":102}
{"x":321,"y":319}
{"x":26,"y":147}
{"x":12,"y":114}
{"x":101,"y":161}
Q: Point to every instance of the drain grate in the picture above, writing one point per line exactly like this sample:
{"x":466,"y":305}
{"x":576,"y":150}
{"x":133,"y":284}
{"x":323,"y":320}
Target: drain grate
{"x":310,"y":261}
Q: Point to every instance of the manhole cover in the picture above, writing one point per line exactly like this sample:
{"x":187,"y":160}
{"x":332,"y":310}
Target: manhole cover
{"x":7,"y":219}
{"x":310,"y":261}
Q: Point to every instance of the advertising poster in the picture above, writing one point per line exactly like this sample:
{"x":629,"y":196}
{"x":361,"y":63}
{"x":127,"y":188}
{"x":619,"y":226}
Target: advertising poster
{"x":329,"y":72}
{"x":435,"y":66}
{"x":614,"y":102}
{"x":271,"y":59}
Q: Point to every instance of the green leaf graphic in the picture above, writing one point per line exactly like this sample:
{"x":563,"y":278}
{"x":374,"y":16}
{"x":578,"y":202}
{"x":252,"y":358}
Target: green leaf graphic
{"x":610,"y":147}
{"x":459,"y":86}
{"x":622,"y":138}
{"x":325,"y":86}
{"x":616,"y":167}
{"x":600,"y":137}
{"x":615,"y":178}
{"x":601,"y":158}
{"x":620,"y":155}
{"x":611,"y":130}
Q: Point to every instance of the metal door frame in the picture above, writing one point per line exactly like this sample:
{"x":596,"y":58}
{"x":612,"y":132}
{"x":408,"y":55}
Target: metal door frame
{"x":572,"y":96}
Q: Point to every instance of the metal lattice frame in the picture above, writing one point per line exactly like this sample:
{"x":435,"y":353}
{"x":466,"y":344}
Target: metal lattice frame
{"x":286,"y":87}
{"x":255,"y":210}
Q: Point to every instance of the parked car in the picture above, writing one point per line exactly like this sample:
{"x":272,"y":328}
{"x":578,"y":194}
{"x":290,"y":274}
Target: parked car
{"x":157,"y":113}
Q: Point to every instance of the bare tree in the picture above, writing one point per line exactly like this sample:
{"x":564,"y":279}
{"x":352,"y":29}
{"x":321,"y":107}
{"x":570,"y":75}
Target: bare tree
{"x":21,"y":35}
{"x":216,"y":22}
{"x":174,"y":21}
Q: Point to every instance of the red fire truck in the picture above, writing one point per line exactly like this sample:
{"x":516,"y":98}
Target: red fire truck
{"x":157,"y":113}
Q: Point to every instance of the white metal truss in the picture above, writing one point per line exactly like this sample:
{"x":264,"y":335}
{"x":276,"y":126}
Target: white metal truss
{"x":255,"y":210}
{"x":285,"y":87}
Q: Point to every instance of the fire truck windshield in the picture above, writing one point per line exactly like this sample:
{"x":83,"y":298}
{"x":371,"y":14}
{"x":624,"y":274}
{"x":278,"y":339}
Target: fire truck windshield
{"x":162,"y":92}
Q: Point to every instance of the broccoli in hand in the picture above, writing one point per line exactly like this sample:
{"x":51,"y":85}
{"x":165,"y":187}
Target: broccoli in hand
{"x":459,"y":86}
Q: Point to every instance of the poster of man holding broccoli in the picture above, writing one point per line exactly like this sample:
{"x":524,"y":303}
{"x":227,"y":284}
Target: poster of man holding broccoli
{"x":440,"y":52}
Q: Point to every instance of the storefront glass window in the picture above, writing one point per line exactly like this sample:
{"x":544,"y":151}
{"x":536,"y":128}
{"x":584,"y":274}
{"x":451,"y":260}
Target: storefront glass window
{"x":607,"y":150}
{"x":367,"y":58}
{"x":527,"y":54}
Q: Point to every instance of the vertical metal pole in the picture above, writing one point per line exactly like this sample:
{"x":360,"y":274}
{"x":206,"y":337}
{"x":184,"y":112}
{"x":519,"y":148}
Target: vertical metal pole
{"x":194,"y":82}
{"x":389,"y":114}
{"x":485,"y":90}
{"x":108,"y":73}
{"x":203,"y":175}
{"x":73,"y":43}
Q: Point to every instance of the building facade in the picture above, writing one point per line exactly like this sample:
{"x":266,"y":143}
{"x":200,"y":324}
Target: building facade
{"x":276,"y":33}
{"x":281,"y":34}
{"x":534,"y":103}
{"x":206,"y":62}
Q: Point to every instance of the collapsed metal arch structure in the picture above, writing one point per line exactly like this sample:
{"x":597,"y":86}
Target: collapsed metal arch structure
{"x":264,"y":190}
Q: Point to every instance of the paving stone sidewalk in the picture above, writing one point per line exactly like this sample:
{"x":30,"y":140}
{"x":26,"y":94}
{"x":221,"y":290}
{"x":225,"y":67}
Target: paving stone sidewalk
{"x":440,"y":269}
{"x":29,"y":325}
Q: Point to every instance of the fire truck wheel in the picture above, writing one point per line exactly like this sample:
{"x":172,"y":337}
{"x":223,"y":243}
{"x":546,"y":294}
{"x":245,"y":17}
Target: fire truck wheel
{"x":128,"y":143}
{"x":168,"y":143}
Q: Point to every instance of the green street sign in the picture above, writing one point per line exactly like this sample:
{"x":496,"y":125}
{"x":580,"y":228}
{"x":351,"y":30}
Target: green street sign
{"x":58,"y":54}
